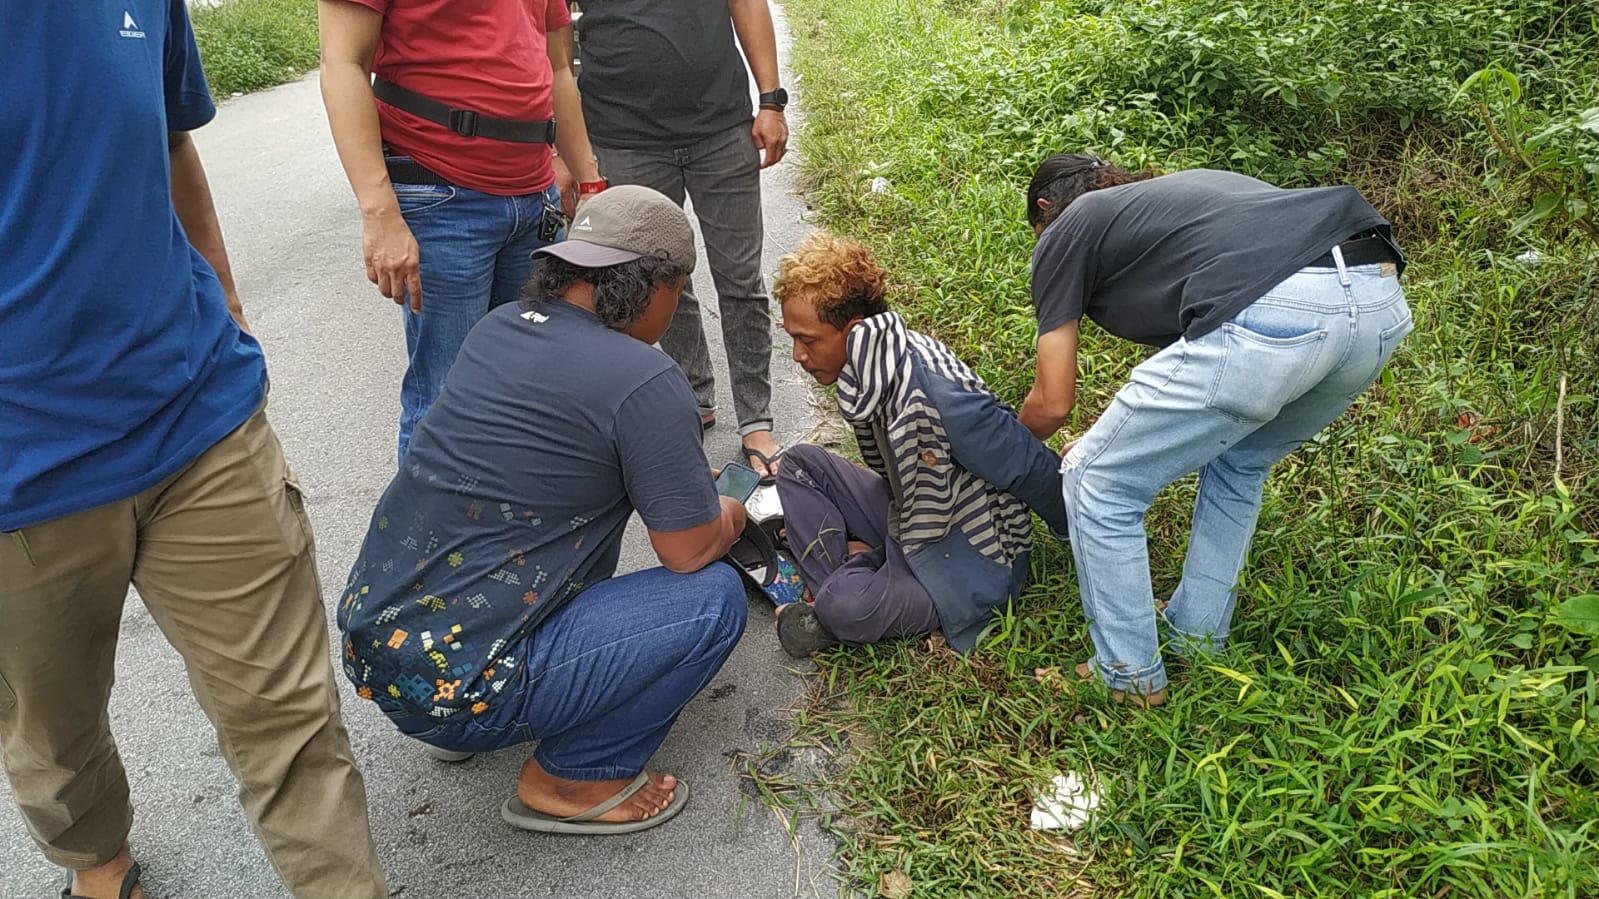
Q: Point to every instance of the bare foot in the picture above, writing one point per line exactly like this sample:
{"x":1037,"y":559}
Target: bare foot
{"x":544,"y":792}
{"x":106,"y":880}
{"x":762,"y":442}
{"x":1136,"y":699}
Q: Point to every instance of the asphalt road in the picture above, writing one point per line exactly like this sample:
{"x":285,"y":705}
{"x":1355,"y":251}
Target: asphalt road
{"x":335,"y":350}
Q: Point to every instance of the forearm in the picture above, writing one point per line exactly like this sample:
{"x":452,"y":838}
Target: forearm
{"x":353,"y":118}
{"x":191,"y":199}
{"x":571,"y":133}
{"x":752,"y":22}
{"x":1037,"y":416}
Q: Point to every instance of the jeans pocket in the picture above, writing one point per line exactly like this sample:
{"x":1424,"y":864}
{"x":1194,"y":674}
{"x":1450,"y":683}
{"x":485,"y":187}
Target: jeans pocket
{"x":1260,"y":373}
{"x":1387,"y":343}
{"x":416,"y":198}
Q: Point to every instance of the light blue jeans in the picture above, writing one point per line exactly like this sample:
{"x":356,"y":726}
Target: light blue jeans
{"x":1229,"y":405}
{"x":476,"y":252}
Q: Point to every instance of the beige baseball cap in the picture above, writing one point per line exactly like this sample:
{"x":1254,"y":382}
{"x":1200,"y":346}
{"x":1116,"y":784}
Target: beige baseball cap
{"x":623,"y":223}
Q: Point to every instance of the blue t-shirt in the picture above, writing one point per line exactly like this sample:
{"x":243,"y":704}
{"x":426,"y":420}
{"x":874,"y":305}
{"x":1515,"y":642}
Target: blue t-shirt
{"x":119,"y":363}
{"x":550,"y":431}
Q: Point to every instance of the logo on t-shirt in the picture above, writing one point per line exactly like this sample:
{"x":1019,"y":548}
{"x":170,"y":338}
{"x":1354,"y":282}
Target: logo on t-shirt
{"x":129,"y":27}
{"x":537,"y":319}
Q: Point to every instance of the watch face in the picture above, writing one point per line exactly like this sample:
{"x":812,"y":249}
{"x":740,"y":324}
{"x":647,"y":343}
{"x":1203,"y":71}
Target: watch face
{"x":778,"y":98}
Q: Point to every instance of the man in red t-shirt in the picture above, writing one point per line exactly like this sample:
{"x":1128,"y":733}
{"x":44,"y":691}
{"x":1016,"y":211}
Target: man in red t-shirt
{"x":449,"y":153}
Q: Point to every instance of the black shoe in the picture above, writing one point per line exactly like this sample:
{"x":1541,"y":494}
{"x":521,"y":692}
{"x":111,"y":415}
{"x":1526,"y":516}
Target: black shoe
{"x":801,"y":633}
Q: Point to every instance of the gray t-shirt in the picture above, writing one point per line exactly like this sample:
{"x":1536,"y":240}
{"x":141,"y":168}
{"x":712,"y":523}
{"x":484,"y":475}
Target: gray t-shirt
{"x":550,"y":431}
{"x":1178,"y":255}
{"x":658,"y":74}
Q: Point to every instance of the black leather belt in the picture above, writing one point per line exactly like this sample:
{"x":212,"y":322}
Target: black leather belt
{"x":464,"y":122}
{"x":1358,"y":251}
{"x":412,"y":173}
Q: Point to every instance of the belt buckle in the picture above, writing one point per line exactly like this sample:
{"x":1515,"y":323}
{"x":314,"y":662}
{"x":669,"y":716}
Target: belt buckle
{"x":463,"y":122}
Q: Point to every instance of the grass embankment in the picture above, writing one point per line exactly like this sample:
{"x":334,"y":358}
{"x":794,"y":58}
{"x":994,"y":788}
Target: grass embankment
{"x":247,"y":45}
{"x":1408,"y":704}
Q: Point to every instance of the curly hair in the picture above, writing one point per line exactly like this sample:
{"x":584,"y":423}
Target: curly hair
{"x":835,"y":275}
{"x":621,"y":292}
{"x":1064,"y":177}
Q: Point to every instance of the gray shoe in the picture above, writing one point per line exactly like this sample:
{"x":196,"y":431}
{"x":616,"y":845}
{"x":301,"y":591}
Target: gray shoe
{"x":447,"y":755}
{"x":801,"y":633}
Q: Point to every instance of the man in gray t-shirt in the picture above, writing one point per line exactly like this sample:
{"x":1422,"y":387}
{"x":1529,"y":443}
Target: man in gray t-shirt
{"x":667,"y":101}
{"x":1274,"y":309}
{"x":484,"y":609}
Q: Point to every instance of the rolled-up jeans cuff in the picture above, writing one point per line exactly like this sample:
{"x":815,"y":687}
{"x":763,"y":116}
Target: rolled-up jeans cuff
{"x":1182,"y":643}
{"x":754,"y":426}
{"x":1144,"y":680}
{"x":585,"y":772}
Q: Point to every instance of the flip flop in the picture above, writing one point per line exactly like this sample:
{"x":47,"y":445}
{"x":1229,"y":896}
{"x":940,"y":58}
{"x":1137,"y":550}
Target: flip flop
{"x":751,"y":454}
{"x":129,"y":881}
{"x":518,"y":815}
{"x":801,"y":633}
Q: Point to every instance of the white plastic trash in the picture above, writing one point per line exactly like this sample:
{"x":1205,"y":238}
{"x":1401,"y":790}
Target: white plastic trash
{"x":1065,"y":804}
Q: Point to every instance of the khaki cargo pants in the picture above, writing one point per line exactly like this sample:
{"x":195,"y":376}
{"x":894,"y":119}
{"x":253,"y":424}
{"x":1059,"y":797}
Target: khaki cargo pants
{"x":223,"y":557}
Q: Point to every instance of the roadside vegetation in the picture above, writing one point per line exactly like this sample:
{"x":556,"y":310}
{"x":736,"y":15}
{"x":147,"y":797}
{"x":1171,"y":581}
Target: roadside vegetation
{"x":1408,"y":704}
{"x":248,"y":45}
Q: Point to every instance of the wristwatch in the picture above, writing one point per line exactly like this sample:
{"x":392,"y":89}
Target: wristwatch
{"x":774,"y":100}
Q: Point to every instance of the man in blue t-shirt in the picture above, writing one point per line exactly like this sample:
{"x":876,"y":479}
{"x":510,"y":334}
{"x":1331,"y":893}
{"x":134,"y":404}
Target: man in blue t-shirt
{"x":483,"y":611}
{"x":134,"y":449}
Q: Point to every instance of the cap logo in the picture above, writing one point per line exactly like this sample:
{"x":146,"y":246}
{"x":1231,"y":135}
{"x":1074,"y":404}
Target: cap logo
{"x":584,"y":225}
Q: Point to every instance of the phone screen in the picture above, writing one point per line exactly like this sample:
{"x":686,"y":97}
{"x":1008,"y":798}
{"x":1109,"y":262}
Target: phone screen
{"x":737,"y":481}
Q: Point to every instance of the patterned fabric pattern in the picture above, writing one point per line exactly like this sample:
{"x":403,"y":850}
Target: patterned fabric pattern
{"x":877,"y":383}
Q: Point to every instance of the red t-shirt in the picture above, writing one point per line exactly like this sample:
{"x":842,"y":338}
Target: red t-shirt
{"x":484,"y":55}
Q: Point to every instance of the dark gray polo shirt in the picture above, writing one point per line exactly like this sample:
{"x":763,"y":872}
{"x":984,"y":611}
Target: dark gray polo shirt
{"x":660,"y":74}
{"x":1178,"y":255}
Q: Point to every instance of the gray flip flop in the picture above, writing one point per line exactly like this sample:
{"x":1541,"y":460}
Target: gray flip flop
{"x":518,"y":815}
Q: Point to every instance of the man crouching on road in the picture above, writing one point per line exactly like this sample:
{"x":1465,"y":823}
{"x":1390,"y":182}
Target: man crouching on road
{"x":937,"y":534}
{"x":483,"y":611}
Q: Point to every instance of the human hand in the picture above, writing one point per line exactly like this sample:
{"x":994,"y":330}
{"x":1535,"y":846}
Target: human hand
{"x":236,"y":309}
{"x":856,"y":547}
{"x":567,"y":182}
{"x":1067,"y":446}
{"x":393,"y":260}
{"x":734,"y":510}
{"x":771,"y":136}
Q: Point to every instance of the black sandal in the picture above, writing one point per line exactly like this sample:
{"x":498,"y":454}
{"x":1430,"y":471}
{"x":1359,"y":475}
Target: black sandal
{"x":129,"y":881}
{"x":768,"y":469}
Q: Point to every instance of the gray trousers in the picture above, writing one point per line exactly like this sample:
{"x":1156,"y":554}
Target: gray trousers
{"x":828,"y":501}
{"x":721,"y":174}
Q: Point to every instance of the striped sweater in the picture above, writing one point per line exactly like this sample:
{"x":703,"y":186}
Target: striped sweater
{"x":933,"y":495}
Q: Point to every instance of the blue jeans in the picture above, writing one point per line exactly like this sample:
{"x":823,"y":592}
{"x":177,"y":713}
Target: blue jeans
{"x":1229,"y":405}
{"x":606,"y":676}
{"x":477,"y":252}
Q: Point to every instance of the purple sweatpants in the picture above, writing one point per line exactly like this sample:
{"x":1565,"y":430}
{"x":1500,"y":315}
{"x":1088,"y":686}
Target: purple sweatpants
{"x":828,"y":501}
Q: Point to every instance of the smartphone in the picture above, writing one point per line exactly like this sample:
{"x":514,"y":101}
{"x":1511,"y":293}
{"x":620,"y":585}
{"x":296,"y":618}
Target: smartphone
{"x":737,"y":481}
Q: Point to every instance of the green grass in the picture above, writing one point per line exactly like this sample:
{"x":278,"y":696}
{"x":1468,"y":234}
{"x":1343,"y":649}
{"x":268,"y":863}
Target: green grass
{"x":247,"y":45}
{"x":1402,"y":711}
